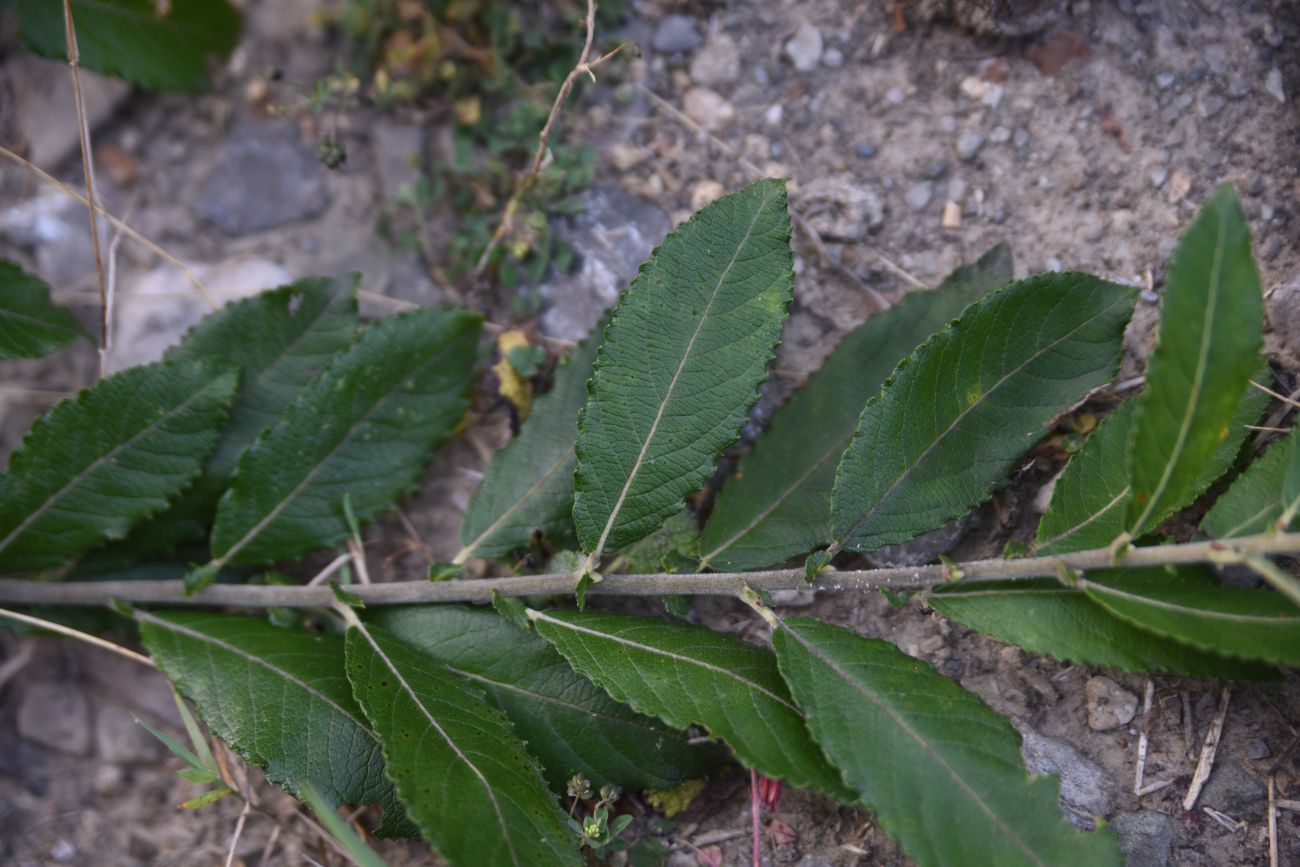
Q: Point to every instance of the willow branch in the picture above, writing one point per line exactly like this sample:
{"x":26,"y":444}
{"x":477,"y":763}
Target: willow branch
{"x":22,"y":592}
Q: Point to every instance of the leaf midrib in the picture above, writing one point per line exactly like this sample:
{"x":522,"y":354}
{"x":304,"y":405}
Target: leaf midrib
{"x":548,"y":699}
{"x":672,"y":384}
{"x":95,"y":465}
{"x":167,"y":23}
{"x":920,"y":740}
{"x":10,"y":313}
{"x":1255,"y":620}
{"x":1198,"y":380}
{"x":455,"y":747}
{"x":468,"y":551}
{"x":907,"y":471}
{"x":658,"y":651}
{"x":1095,"y":516}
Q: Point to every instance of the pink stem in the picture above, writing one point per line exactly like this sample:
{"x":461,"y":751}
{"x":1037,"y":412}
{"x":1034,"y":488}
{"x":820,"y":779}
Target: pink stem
{"x":754,"y":808}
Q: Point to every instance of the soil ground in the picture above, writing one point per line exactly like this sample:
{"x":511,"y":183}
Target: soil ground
{"x":1084,"y":134}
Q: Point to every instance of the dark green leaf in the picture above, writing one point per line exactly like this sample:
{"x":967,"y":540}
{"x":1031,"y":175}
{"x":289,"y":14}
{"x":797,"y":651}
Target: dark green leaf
{"x":942,"y":771}
{"x":777,"y":505}
{"x":366,"y":427}
{"x":572,"y":726}
{"x":281,"y":699}
{"x":30,"y":324}
{"x":99,"y":463}
{"x":688,"y":345}
{"x":1248,"y":624}
{"x":687,"y":675}
{"x":1207,"y":350}
{"x":1044,"y":616}
{"x":463,"y":775}
{"x":1254,"y":502}
{"x":959,"y":412}
{"x":528,"y":485}
{"x":159,"y":46}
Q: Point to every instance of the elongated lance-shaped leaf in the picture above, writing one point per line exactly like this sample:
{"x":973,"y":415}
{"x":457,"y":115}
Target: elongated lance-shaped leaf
{"x":281,"y":699}
{"x":960,"y":411}
{"x":1207,"y":350}
{"x":1255,"y":500}
{"x":465,"y":778}
{"x":99,"y":463}
{"x":364,"y":428}
{"x":30,"y":324}
{"x":687,"y":675}
{"x":571,"y":725}
{"x":777,"y":505}
{"x":1090,"y":501}
{"x":1247,"y":624}
{"x":528,"y":485}
{"x":1045,"y":616}
{"x":688,"y":345}
{"x":942,"y":771}
{"x":159,"y":46}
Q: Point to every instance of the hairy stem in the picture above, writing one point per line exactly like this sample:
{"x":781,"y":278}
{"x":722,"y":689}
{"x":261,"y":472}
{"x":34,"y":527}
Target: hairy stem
{"x":23,"y":592}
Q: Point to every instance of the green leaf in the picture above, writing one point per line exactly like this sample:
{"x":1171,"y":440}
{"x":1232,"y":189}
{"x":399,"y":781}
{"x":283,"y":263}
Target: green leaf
{"x":30,"y":324}
{"x":99,"y":463}
{"x":1247,"y":624}
{"x":1045,"y":616}
{"x":463,"y":775}
{"x":777,"y":505}
{"x":1207,"y":350}
{"x":1254,"y":502}
{"x":960,"y":411}
{"x":282,"y":339}
{"x":528,"y":485}
{"x":688,"y":345}
{"x":942,"y":771}
{"x":1090,"y":500}
{"x":159,"y":46}
{"x":280,"y":698}
{"x":687,"y":675}
{"x":572,"y":726}
{"x":366,"y":427}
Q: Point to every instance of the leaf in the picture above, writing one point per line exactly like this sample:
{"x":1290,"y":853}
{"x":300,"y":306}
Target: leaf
{"x":572,"y":726}
{"x":1045,"y":616}
{"x":688,"y":345}
{"x":341,"y":831}
{"x":528,"y":485}
{"x":1253,"y":503}
{"x":281,"y":699}
{"x":687,"y":675}
{"x":1090,"y":500}
{"x":1247,"y":624}
{"x":960,"y":411}
{"x":777,"y":505}
{"x":1207,"y":350}
{"x":365,"y":428}
{"x":282,"y":338}
{"x":464,"y":777}
{"x":30,"y":324}
{"x":99,"y":463}
{"x":158,"y":46}
{"x":942,"y":771}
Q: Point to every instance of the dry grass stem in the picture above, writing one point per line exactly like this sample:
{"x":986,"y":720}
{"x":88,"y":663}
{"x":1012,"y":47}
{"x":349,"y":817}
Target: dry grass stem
{"x":77,"y":634}
{"x":1144,"y":728}
{"x":1208,"y":749}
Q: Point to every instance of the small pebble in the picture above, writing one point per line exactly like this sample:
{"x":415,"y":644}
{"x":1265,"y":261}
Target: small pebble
{"x":865,"y":151}
{"x":1256,"y":749}
{"x":832,"y":58}
{"x":1211,"y":104}
{"x":1159,"y":176}
{"x":773,"y":115}
{"x":1000,"y":135}
{"x":894,"y":96}
{"x":951,"y":215}
{"x":708,"y":108}
{"x":704,"y":192}
{"x":919,"y":195}
{"x":676,"y":33}
{"x":1021,"y":138}
{"x":1273,"y":84}
{"x":1109,"y":705}
{"x":969,"y":145}
{"x":805,"y":48}
{"x":1165,"y":80}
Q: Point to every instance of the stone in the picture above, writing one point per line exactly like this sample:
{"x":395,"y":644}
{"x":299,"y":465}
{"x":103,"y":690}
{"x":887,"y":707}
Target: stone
{"x":866,"y":151}
{"x":1144,"y":837}
{"x":969,"y":145}
{"x":919,"y":195}
{"x":1273,"y":85}
{"x":840,"y":209}
{"x":718,"y":63}
{"x":708,"y":108}
{"x":832,"y":58}
{"x":1165,"y":80}
{"x":676,"y":33}
{"x":55,"y":715}
{"x":1210,"y":104}
{"x":43,"y":110}
{"x":805,"y":48}
{"x":926,"y":548}
{"x":951,"y":215}
{"x":1000,"y":135}
{"x":1109,"y":704}
{"x":398,"y":150}
{"x":612,"y":235}
{"x":263,"y":177}
{"x":55,"y":227}
{"x":121,"y":740}
{"x":704,"y":192}
{"x":1085,"y":789}
{"x":1232,"y":789}
{"x":1257,"y":749}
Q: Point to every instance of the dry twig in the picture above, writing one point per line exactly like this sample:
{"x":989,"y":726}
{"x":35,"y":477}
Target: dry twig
{"x":1144,"y":729}
{"x":1208,"y":749}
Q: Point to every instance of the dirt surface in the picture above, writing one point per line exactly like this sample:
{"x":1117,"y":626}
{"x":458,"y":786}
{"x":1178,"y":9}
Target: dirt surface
{"x":1084,"y":134}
